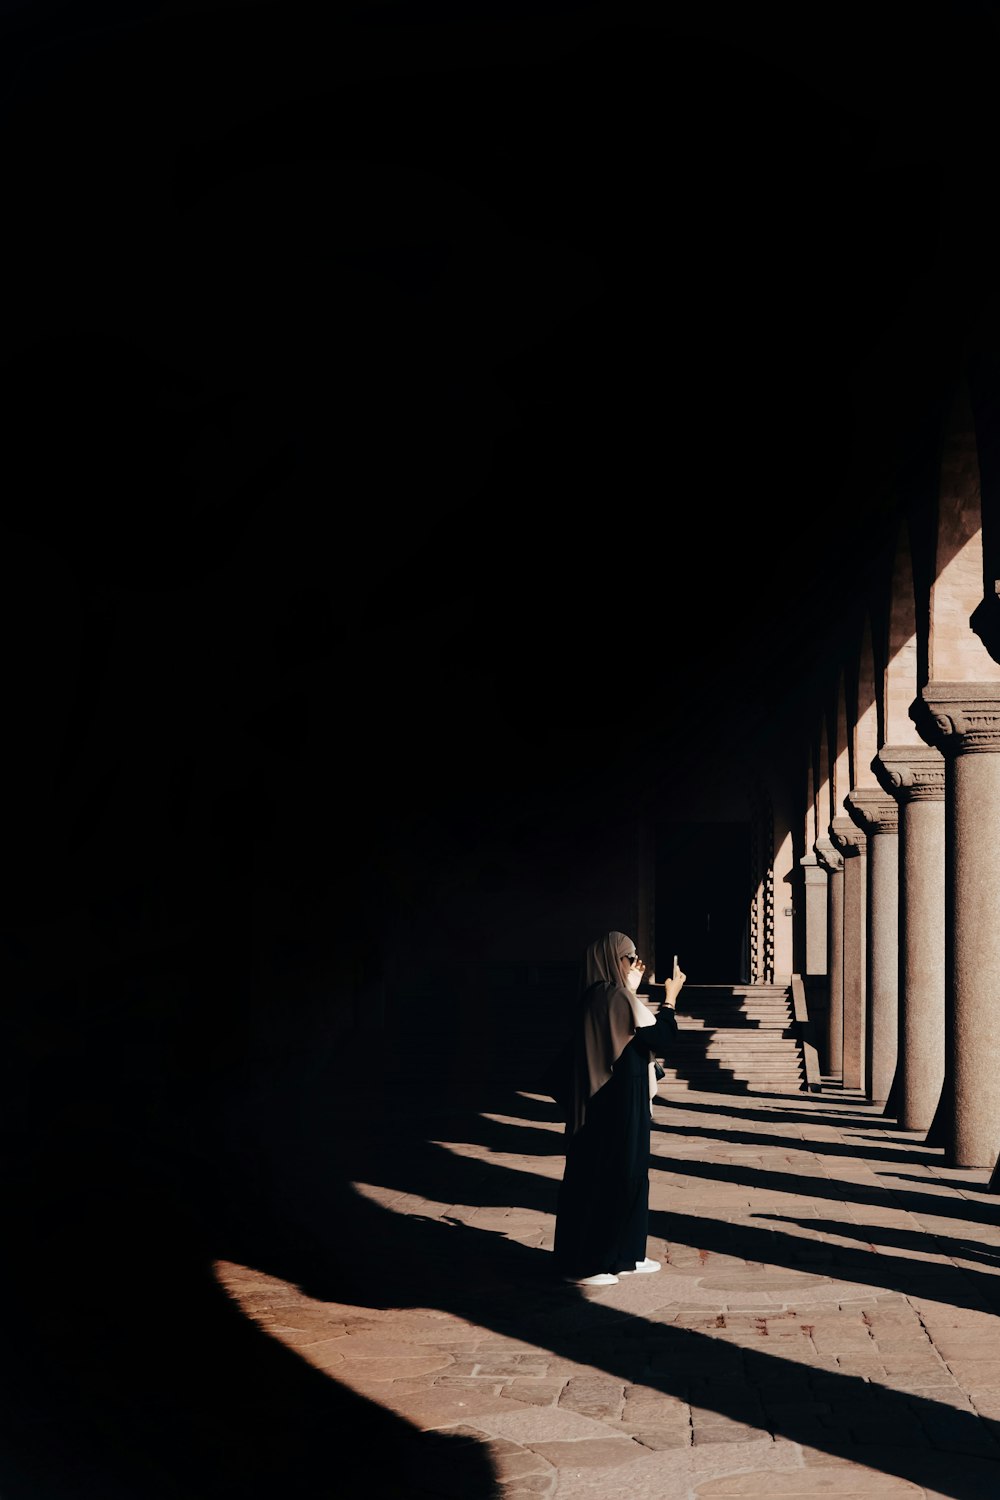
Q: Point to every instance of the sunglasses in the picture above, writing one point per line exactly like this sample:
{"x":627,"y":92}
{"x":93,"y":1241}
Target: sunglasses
{"x":631,"y":958}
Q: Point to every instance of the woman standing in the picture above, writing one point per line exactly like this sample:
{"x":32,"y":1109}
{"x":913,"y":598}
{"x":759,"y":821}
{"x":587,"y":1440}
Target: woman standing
{"x":602,"y":1214}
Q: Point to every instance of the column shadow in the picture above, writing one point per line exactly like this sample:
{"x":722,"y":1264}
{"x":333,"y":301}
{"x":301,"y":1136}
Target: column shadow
{"x":509,"y":1288}
{"x":789,"y":1143}
{"x":129,"y":1371}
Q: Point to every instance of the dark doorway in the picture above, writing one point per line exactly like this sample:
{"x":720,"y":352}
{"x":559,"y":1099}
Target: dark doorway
{"x":702,"y":900}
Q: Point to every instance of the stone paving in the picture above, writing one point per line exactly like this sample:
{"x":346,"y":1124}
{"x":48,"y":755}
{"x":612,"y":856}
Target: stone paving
{"x":824,"y":1323}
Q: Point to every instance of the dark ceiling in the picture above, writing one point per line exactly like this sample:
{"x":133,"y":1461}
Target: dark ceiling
{"x":414,"y":409}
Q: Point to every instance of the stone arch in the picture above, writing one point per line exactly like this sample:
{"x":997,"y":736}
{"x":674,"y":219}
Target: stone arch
{"x":955,"y":651}
{"x":820,"y":810}
{"x":984,"y":403}
{"x":811,"y":801}
{"x":821,"y":941}
{"x":841,"y":750}
{"x":865,"y":718}
{"x":921,"y":531}
{"x":847,"y":1001}
{"x":900,"y":675}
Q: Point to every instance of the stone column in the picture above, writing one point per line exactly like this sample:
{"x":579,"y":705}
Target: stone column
{"x":832,"y":861}
{"x":914,"y":775}
{"x":877,"y":814}
{"x":965,"y":719}
{"x":852,"y":844}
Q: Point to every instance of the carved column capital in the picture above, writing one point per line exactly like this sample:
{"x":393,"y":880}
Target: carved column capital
{"x":873,"y":810}
{"x":829,"y":856}
{"x":813,"y":870}
{"x":848,"y":838}
{"x":959,"y":718}
{"x":911,"y":773}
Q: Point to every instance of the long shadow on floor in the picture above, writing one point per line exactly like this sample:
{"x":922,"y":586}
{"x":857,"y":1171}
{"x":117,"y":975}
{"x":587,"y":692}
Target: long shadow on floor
{"x":840,"y":1190}
{"x":826,"y":1113}
{"x":914,"y":1242}
{"x":128,"y":1371}
{"x":529,"y":1140}
{"x":792,"y":1144}
{"x":433,"y":1171}
{"x":339,"y":1245}
{"x":459,"y":1165}
{"x":500,"y":1136}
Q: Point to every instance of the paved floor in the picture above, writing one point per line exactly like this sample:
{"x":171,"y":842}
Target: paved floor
{"x":825,"y":1322}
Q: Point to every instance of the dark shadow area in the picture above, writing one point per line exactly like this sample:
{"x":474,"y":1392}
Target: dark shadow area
{"x":498,"y":1135}
{"x":126,"y":1370}
{"x":526,"y":1105}
{"x":825,"y":1187}
{"x":693,"y":1067}
{"x":946,"y":1182}
{"x":914,"y":1138}
{"x":922,"y":1241}
{"x":834,"y":1115}
{"x":501,"y":1135}
{"x":792,"y":1144}
{"x":702,"y":879}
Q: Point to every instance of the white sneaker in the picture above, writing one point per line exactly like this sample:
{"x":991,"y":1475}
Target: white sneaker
{"x":603,"y":1278}
{"x":643,"y":1266}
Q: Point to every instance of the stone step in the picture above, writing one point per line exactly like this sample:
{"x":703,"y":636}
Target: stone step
{"x":757,"y":1055}
{"x":761,"y":1041}
{"x":676,"y":1075}
{"x":717,"y":1086}
{"x":704,"y":1036}
{"x":721,"y":1067}
{"x":725,"y":1023}
{"x":744,"y":1008}
{"x":729,"y":1002}
{"x":735,"y":1038}
{"x":733,"y":1065}
{"x":734,"y":989}
{"x":686,"y":1057}
{"x":760,"y":1036}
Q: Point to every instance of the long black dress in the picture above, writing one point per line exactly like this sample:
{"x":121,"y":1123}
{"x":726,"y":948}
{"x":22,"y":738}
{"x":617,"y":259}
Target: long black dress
{"x":602,"y":1213}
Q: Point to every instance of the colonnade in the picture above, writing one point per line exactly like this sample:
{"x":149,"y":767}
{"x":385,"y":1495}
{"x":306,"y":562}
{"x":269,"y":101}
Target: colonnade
{"x":913,"y":922}
{"x":903,"y":809}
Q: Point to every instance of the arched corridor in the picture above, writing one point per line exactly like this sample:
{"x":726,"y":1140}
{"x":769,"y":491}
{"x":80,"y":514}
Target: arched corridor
{"x":477,"y":476}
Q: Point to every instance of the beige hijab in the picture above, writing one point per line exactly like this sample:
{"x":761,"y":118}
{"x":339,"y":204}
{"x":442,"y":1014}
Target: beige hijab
{"x":612,"y":1014}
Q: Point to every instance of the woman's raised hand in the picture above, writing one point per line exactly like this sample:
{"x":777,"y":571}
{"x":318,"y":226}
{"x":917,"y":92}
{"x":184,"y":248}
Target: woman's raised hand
{"x":673,"y":986}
